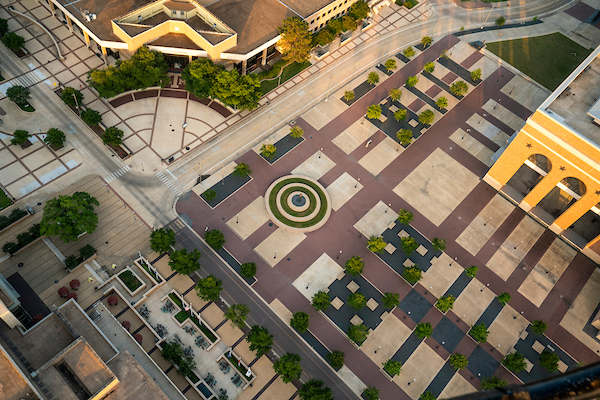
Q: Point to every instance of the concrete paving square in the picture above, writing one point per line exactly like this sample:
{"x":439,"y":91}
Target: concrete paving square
{"x":342,"y":190}
{"x":6,"y":158}
{"x":325,"y":111}
{"x":249,"y":219}
{"x":437,"y":186}
{"x":356,"y":320}
{"x":457,"y":386}
{"x":322,"y":273}
{"x":277,"y":246}
{"x":12,"y":173}
{"x":506,"y":329}
{"x":487,"y":129}
{"x":473,"y":301}
{"x":476,"y":235}
{"x":503,"y":114}
{"x":422,"y":366}
{"x":538,"y":347}
{"x":337,"y":303}
{"x":390,"y":327}
{"x":353,"y":286}
{"x":440,"y":276}
{"x":376,"y":220}
{"x":515,"y":247}
{"x":381,"y":156}
{"x":37,"y":159}
{"x":547,"y":272}
{"x":473,"y":146}
{"x":279,"y":390}
{"x":315,"y":166}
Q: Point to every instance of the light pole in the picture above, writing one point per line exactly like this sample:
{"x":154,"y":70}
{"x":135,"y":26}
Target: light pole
{"x":308,"y":284}
{"x":142,"y":166}
{"x":357,"y":181}
{"x":320,"y":151}
{"x":76,"y":103}
{"x":486,"y":222}
{"x":275,"y":254}
{"x":237,"y":218}
{"x":486,"y":18}
{"x":338,"y":256}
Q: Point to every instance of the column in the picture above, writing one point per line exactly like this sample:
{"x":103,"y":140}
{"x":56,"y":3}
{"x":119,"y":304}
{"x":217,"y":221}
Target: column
{"x":87,"y":39}
{"x":190,"y":59}
{"x":244,"y":64}
{"x":52,"y":9}
{"x":576,"y":211}
{"x":69,"y":23}
{"x":104,"y":55}
{"x":542,"y":188}
{"x":264,"y":57}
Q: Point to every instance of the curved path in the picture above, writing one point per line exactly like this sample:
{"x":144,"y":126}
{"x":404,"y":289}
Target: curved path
{"x":11,"y":9}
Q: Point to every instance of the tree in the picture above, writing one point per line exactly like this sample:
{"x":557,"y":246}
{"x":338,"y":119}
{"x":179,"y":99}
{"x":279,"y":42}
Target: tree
{"x":395,"y":94}
{"x":479,"y":333}
{"x":13,"y":41}
{"x":355,"y":266}
{"x":323,"y":37}
{"x":500,"y":21}
{"x":349,"y":23}
{"x":409,"y":52}
{"x":359,"y":10}
{"x":209,"y":288}
{"x":426,"y":117}
{"x":260,"y":340}
{"x":336,"y":359}
{"x":248,"y":270}
{"x":183,"y":262}
{"x":55,"y":138}
{"x":405,"y":217}
{"x":161,"y":240}
{"x":390,"y":64}
{"x":288,"y":367}
{"x":349,"y":95}
{"x":358,"y":333}
{"x":409,"y":244}
{"x":390,"y":300}
{"x":427,"y":396}
{"x":404,"y":136}
{"x":492,"y":382}
{"x":426,"y":41}
{"x":296,"y":132}
{"x":237,"y":314}
{"x":471,"y":271}
{"x":412,"y":81}
{"x":113,"y":136}
{"x":549,"y":361}
{"x":108,"y":82}
{"x":515,"y":362}
{"x":374,"y":111}
{"x":445,"y":303}
{"x":539,"y":327}
{"x":320,"y":301}
{"x":458,"y":361}
{"x":20,"y":137}
{"x":357,"y":301}
{"x":18,"y":94}
{"x":373,"y":78}
{"x":412,"y":274}
{"x":376,"y":244}
{"x":215,"y":239}
{"x":268,"y":150}
{"x":295,"y":42}
{"x":335,"y":26}
{"x":400,"y":114}
{"x":392,"y":367}
{"x":144,"y":69}
{"x":91,"y":117}
{"x":476,"y":75}
{"x":239,"y":91}
{"x":442,"y":102}
{"x":429,"y":67}
{"x":444,"y":54}
{"x":315,"y":390}
{"x":69,"y":95}
{"x":199,"y":76}
{"x":69,"y":216}
{"x":209,"y":194}
{"x":241,"y":170}
{"x":438,"y":244}
{"x":172,"y":352}
{"x":459,"y":88}
{"x":424,"y":330}
{"x":504,"y":298}
{"x":3,"y":26}
{"x":300,"y":321}
{"x":371,"y":393}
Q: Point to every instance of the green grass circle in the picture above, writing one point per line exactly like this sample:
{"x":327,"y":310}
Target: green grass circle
{"x":286,"y":207}
{"x":297,"y":224}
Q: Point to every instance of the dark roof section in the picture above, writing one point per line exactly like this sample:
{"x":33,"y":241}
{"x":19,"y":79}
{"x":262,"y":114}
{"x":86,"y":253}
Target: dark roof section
{"x":306,"y":8}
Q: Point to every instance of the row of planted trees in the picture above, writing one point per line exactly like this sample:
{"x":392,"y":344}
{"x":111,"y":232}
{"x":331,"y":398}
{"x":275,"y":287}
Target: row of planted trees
{"x":209,"y":289}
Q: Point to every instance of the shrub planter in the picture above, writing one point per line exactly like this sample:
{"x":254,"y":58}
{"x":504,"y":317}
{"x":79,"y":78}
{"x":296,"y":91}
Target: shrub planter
{"x":150,"y":271}
{"x":128,"y":280}
{"x":27,"y":215}
{"x":28,"y":244}
{"x":182,"y":316}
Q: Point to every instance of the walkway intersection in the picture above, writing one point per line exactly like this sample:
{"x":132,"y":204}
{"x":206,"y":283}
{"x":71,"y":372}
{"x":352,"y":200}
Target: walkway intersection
{"x":437,"y":177}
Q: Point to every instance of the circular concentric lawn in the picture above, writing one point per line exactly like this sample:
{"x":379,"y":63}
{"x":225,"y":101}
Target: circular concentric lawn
{"x":298,"y":203}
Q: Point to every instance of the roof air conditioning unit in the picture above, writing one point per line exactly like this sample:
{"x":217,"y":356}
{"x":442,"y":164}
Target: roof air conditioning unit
{"x":87,"y":17}
{"x":93,"y":17}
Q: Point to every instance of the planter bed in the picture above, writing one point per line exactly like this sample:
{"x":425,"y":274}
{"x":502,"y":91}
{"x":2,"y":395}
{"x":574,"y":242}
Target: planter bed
{"x":241,"y":367}
{"x":359,"y":92}
{"x":402,"y":58}
{"x":145,"y":266}
{"x":390,"y":127}
{"x":28,"y":108}
{"x":426,"y":99}
{"x":441,"y":84}
{"x":284,"y":146}
{"x":22,"y":214}
{"x":459,"y":70}
{"x":209,"y":335}
{"x":130,"y":280}
{"x":225,"y":188}
{"x":383,"y":69}
{"x":226,"y":255}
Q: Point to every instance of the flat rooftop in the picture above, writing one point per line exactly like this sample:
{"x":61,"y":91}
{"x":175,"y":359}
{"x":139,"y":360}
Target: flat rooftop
{"x":12,"y":384}
{"x":134,"y":381}
{"x":573,"y":103}
{"x":306,"y":8}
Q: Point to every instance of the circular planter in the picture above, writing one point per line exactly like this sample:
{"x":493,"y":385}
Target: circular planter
{"x":298,"y":203}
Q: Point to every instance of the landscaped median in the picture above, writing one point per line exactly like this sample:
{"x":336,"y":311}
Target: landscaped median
{"x":298,"y":203}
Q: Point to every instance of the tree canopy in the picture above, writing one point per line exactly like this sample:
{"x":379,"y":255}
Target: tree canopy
{"x":237,"y":314}
{"x":183,"y":262}
{"x":239,"y":91}
{"x":295,"y":42}
{"x":199,"y":76}
{"x":288,"y":367}
{"x":260,"y":340}
{"x":161,"y":240}
{"x":315,"y":390}
{"x":69,"y":216}
{"x":209,"y":288}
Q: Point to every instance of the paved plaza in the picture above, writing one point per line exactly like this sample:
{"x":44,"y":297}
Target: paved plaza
{"x":369,"y":178}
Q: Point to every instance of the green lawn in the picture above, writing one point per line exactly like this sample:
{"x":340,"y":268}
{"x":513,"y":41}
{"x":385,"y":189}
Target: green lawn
{"x":289,"y":72}
{"x":546,"y":59}
{"x":4,"y":200}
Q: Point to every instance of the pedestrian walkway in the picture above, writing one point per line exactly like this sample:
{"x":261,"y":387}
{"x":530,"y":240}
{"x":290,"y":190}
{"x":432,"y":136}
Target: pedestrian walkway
{"x":27,"y":79}
{"x":169,"y":183}
{"x":117,"y":174}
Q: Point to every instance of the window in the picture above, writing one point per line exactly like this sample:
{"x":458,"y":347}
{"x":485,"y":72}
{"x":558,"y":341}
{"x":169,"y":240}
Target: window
{"x":181,"y":13}
{"x":174,"y":12}
{"x":329,"y":12}
{"x":334,"y":8}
